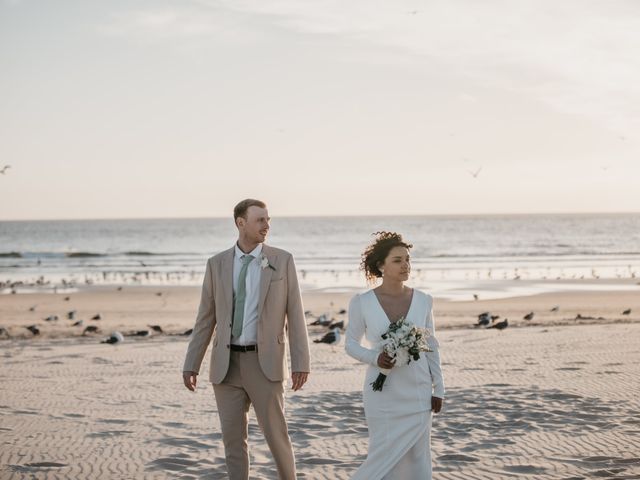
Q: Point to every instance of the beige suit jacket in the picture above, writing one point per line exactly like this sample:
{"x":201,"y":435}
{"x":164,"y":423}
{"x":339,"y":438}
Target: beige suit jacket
{"x":280,"y":314}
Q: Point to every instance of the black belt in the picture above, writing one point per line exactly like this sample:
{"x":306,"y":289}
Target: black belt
{"x":244,"y":348}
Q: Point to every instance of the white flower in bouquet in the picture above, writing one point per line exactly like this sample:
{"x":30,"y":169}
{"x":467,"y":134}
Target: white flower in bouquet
{"x":402,"y":357}
{"x":403,"y":342}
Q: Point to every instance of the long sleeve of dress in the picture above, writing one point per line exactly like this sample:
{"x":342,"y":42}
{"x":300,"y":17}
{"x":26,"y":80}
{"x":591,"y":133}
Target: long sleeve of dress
{"x":355,"y":331}
{"x":433,"y":358}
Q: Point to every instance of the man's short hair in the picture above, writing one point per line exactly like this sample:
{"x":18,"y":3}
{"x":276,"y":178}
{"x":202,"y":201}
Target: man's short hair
{"x":241,"y":208}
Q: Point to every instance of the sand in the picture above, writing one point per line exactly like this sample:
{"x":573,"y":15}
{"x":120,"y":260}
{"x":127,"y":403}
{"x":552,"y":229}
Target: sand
{"x":548,"y":398}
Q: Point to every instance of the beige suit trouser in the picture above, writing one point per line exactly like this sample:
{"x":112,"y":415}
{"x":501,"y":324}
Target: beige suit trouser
{"x":245,"y":384}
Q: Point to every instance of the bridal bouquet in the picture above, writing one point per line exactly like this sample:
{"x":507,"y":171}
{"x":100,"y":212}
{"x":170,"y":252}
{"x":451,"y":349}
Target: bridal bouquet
{"x":403,"y":342}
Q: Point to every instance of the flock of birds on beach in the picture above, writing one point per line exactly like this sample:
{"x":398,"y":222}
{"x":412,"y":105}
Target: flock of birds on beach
{"x":488,"y":320}
{"x":333,"y":325}
{"x":91,"y":330}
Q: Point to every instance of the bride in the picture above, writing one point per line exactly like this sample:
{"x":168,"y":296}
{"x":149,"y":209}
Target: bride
{"x":398,"y":416}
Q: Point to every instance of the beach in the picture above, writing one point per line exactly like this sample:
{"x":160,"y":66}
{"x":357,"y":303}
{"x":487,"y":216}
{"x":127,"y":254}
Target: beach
{"x":550,"y":397}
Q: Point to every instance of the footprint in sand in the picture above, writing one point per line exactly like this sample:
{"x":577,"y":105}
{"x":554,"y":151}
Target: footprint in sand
{"x":113,"y":421}
{"x":525,"y":469}
{"x":109,"y":433}
{"x":457,"y":457}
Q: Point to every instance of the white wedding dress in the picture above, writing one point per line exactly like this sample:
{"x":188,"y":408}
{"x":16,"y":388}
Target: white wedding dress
{"x":399,"y":416}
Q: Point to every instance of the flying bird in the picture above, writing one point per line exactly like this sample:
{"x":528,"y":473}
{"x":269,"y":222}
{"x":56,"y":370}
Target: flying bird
{"x":4,"y":169}
{"x":475,"y":174}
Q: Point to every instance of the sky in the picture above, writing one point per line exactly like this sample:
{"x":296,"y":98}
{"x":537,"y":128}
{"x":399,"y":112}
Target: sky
{"x":162,"y":108}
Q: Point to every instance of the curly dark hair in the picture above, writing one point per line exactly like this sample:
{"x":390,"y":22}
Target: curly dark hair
{"x":377,"y":252}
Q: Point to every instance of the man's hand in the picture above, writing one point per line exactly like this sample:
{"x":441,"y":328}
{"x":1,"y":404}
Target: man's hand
{"x":190,"y":379}
{"x":436,"y":404}
{"x":298,"y":379}
{"x":385,"y":361}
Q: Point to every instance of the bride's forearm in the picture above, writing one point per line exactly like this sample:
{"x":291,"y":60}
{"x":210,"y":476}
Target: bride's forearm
{"x":360,"y":353}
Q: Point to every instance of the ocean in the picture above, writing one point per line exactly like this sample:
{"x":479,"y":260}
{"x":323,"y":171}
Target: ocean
{"x":452,"y":255}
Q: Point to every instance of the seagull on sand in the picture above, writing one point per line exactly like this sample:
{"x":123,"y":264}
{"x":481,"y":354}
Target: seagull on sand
{"x":339,"y":325}
{"x":96,"y":317}
{"x":322,"y":320}
{"x":501,"y":325}
{"x":33,"y":329}
{"x":51,"y":318}
{"x":71,"y":314}
{"x":4,"y":169}
{"x":142,"y":333}
{"x":332,"y":338}
{"x":528,"y":316}
{"x":115,"y":337}
{"x":90,"y":329}
{"x":485,"y":318}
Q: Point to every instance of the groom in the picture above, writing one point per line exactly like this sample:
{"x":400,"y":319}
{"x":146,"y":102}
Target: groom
{"x":250,"y":303}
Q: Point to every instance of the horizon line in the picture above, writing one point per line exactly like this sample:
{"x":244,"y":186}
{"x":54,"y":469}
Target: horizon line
{"x":230,"y":217}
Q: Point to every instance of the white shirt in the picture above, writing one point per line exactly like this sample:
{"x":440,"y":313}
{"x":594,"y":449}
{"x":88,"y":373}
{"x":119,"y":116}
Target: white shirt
{"x":249,"y":335}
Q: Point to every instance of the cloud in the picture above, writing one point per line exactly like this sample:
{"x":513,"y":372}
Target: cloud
{"x":582,"y":57}
{"x":188,"y":21}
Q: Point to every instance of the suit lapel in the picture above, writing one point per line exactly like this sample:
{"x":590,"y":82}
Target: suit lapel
{"x":227,"y":276}
{"x":265,"y":277}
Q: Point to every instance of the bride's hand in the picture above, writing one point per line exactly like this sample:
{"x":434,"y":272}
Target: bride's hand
{"x":385,"y":361}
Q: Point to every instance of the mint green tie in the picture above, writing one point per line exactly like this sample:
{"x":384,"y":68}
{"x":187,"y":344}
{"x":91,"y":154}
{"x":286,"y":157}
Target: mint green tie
{"x":241,"y":295}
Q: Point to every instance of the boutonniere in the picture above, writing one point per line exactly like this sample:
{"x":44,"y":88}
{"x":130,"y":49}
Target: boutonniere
{"x":264,"y":263}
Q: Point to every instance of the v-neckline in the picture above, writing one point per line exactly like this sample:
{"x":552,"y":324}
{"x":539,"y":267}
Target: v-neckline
{"x":406,"y":315}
